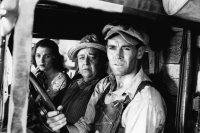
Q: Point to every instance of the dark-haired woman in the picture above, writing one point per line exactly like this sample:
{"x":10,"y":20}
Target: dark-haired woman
{"x":50,"y":68}
{"x":51,"y":73}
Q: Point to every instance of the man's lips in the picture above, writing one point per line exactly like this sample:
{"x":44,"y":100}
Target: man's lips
{"x":118,"y":64}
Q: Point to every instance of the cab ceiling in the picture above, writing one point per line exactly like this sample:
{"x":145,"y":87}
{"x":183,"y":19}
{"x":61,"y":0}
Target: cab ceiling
{"x":54,"y":20}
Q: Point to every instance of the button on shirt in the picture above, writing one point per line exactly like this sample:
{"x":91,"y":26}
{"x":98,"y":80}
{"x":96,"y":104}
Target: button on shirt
{"x":146,"y":113}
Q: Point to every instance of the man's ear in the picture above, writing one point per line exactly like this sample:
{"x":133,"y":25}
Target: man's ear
{"x":140,"y":52}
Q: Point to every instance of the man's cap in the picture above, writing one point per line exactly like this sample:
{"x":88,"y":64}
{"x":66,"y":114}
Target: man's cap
{"x":88,"y":41}
{"x":127,"y":32}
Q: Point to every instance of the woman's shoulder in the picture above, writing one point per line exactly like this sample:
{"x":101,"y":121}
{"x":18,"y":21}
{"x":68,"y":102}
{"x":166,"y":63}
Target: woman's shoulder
{"x":61,"y":80}
{"x":62,"y":76}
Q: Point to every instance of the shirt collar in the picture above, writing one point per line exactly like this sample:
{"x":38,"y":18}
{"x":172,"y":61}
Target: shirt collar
{"x":130,"y":83}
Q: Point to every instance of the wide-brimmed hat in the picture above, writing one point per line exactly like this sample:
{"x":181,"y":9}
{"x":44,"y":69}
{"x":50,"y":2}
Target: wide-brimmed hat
{"x":127,"y":32}
{"x":88,"y":41}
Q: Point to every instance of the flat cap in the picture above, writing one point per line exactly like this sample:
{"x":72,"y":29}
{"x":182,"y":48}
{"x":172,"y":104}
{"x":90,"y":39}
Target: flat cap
{"x":127,"y":32}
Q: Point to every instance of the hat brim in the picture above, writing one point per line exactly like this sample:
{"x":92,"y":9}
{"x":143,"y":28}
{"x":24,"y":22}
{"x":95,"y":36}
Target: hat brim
{"x":73,"y":51}
{"x":128,"y":38}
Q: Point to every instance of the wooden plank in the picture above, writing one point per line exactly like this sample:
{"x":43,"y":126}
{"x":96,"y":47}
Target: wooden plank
{"x":21,"y":67}
{"x":7,"y":22}
{"x":94,"y":4}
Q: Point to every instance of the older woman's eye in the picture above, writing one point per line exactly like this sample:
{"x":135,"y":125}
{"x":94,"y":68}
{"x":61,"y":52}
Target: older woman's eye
{"x":81,"y":57}
{"x":93,"y":57}
{"x":110,"y":47}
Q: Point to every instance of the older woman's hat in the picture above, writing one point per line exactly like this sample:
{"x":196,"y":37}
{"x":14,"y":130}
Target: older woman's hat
{"x":88,"y":41}
{"x":127,"y":32}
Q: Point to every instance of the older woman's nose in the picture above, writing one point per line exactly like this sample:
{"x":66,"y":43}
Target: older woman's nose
{"x":86,"y":60}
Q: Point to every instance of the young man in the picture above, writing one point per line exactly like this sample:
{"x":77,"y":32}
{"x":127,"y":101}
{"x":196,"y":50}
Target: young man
{"x":124,"y":101}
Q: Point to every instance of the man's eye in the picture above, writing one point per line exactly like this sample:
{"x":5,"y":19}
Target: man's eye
{"x":127,"y":48}
{"x":110,"y":47}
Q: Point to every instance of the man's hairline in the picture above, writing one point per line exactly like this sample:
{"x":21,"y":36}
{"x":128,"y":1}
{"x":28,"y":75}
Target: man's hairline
{"x":129,"y":44}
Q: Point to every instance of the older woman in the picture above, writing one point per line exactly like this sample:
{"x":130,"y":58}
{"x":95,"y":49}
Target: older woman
{"x":90,"y":56}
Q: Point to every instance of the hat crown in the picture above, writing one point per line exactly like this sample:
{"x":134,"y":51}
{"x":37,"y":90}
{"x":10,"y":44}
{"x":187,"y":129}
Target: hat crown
{"x":91,"y":38}
{"x":88,"y":41}
{"x":109,"y":29}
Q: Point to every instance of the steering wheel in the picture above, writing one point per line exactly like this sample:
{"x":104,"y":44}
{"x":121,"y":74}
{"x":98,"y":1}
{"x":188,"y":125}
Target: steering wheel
{"x":41,"y":100}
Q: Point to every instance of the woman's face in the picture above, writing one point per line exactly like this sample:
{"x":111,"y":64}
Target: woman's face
{"x":88,"y":63}
{"x":44,"y":58}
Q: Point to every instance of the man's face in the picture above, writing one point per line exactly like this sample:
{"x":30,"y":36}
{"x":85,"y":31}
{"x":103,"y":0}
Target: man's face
{"x":88,"y":61}
{"x":122,"y":56}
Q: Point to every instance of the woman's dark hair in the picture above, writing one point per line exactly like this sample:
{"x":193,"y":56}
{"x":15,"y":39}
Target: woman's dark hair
{"x":58,"y":61}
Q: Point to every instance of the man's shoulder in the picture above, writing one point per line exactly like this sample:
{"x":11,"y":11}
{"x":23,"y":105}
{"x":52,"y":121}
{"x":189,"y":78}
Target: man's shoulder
{"x":151,"y":95}
{"x":105,"y":80}
{"x":103,"y":84}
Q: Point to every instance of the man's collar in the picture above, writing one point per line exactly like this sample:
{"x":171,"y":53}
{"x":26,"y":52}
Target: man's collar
{"x":130,"y":82}
{"x":112,"y":77}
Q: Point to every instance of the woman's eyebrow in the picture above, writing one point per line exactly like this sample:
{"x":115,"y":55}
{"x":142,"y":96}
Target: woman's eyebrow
{"x":92,"y":53}
{"x":110,"y":45}
{"x":80,"y":55}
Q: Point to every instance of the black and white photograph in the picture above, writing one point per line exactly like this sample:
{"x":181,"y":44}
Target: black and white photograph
{"x":99,"y":66}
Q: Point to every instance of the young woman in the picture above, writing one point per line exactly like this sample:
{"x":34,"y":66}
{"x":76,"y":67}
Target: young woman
{"x":50,"y":68}
{"x":50,"y":72}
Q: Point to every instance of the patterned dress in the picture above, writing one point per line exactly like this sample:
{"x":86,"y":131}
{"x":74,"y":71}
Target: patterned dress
{"x":58,"y":83}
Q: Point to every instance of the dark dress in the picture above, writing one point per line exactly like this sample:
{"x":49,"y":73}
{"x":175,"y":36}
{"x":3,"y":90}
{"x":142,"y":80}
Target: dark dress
{"x":76,"y":98}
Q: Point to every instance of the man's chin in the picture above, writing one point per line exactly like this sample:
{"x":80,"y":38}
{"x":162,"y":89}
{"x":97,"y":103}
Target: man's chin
{"x":119,"y":73}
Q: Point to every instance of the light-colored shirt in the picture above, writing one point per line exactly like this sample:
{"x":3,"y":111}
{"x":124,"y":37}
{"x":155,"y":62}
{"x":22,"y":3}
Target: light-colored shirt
{"x":146,"y":113}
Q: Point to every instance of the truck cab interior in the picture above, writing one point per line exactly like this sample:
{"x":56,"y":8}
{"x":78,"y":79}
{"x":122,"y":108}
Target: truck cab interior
{"x":171,"y":59}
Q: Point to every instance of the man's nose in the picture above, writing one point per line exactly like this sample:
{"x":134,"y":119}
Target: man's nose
{"x":119,"y":54}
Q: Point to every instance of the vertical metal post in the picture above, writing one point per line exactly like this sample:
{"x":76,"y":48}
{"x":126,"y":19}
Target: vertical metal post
{"x":185,"y":82}
{"x":2,"y":52}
